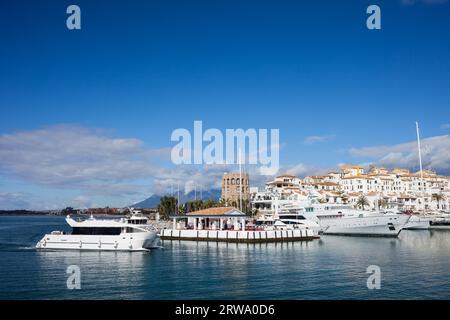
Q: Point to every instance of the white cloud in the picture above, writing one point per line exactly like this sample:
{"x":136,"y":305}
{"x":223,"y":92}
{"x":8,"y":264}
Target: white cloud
{"x":188,"y":177}
{"x":302,"y":170}
{"x":74,"y":157}
{"x":210,"y":177}
{"x":435,"y":150}
{"x":14,"y":200}
{"x":318,"y":139}
{"x":28,"y":201}
{"x":445,"y":126}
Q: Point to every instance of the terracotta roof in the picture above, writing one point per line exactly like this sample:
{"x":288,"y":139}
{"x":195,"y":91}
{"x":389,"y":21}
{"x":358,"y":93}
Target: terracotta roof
{"x":362,"y":177}
{"x":279,"y":182}
{"x":350,"y":166}
{"x":321,"y":184}
{"x":221,"y":211}
{"x":286,"y":176}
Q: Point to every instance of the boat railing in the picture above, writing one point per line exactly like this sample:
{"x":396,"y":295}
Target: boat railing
{"x":147,"y":227}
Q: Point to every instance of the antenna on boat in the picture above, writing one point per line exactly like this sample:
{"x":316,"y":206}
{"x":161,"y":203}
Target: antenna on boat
{"x":420,"y":163}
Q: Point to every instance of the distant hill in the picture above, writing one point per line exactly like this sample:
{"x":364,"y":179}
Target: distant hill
{"x":24,"y":212}
{"x":153,"y":201}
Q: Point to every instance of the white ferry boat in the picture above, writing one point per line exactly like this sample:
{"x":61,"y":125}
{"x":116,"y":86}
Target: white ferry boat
{"x":127,"y":234}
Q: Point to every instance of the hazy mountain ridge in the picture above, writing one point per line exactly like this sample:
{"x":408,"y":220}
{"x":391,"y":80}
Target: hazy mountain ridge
{"x":153,"y":201}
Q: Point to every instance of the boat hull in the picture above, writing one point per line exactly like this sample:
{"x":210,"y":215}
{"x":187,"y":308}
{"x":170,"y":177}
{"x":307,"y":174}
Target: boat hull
{"x":417,"y":223}
{"x":124,"y":242}
{"x":381,"y":226}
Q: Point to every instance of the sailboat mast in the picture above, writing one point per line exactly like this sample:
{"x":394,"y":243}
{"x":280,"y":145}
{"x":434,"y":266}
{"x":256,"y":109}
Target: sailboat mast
{"x":178,"y":198}
{"x":420,"y":163}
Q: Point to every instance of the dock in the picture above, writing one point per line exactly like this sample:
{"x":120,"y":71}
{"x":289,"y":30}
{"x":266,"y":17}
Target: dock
{"x":238,"y":236}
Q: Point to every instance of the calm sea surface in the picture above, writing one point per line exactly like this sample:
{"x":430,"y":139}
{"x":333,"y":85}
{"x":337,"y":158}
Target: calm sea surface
{"x":415,"y":266}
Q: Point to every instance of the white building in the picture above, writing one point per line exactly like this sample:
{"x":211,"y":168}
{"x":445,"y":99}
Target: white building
{"x":398,"y":188}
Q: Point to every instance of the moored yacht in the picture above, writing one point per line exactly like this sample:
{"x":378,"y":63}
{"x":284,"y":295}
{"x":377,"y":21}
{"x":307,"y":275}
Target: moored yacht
{"x":418,"y":223}
{"x":440,"y":222}
{"x":288,"y":221}
{"x":336,"y":219}
{"x":126,"y":234}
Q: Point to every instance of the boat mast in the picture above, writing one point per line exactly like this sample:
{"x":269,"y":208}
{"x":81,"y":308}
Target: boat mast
{"x":226,"y":191}
{"x":421,"y":166}
{"x":178,"y":198}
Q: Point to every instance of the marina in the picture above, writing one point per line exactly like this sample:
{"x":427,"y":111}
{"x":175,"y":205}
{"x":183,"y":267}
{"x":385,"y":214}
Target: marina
{"x":225,"y":224}
{"x":414,"y":266}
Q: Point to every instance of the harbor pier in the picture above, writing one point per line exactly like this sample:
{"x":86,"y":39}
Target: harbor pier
{"x":238,"y":236}
{"x":227,"y":225}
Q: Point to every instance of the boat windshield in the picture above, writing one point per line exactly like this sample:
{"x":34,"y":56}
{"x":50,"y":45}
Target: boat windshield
{"x":137,"y":221}
{"x":292,"y":216}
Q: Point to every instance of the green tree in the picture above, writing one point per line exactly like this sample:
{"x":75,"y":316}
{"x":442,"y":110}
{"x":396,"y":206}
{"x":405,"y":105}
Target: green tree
{"x":343,"y":196}
{"x":182,"y":209}
{"x":167,"y":207}
{"x":382,"y":203}
{"x":210,"y":203}
{"x":362,"y":202}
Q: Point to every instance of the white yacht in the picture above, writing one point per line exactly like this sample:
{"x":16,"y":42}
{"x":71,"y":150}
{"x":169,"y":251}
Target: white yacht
{"x":418,"y":223}
{"x":337,"y":219}
{"x":440,"y":222}
{"x":288,"y":221}
{"x":430,"y":221}
{"x":126,"y":234}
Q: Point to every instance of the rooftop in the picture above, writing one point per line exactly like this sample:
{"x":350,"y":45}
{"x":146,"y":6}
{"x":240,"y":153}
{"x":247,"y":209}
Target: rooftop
{"x":220,"y":211}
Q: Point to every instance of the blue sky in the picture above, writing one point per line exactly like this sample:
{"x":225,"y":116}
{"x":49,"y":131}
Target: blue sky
{"x":140,"y":69}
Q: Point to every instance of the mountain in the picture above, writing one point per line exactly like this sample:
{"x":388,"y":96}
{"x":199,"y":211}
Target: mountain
{"x":153,"y":201}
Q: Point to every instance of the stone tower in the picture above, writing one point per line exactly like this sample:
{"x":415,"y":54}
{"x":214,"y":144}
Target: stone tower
{"x":230,"y":188}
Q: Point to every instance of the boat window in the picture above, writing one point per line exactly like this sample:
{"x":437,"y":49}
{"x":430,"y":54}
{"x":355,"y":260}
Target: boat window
{"x":133,"y":230}
{"x":137,"y":221}
{"x":96,"y":231}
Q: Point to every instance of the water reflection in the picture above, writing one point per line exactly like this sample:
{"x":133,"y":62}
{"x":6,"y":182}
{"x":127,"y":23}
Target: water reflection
{"x":414,"y":266}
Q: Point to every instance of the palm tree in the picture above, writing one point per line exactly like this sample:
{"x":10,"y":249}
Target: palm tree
{"x":210,"y":203}
{"x":382,"y":203}
{"x":167,"y":206}
{"x":246,"y":207}
{"x":343,"y":196}
{"x":182,"y":210}
{"x":438,"y":197}
{"x":362,"y":202}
